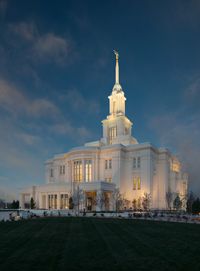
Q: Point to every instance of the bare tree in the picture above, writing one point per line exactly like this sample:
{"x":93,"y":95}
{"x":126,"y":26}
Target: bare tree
{"x":190,"y":199}
{"x":102,"y":200}
{"x":134,"y":204}
{"x":169,"y":199}
{"x":78,"y":198}
{"x":117,"y":200}
{"x":146,"y":200}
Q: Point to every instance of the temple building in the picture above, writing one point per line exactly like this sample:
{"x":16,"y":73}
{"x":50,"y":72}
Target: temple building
{"x":115,"y":168}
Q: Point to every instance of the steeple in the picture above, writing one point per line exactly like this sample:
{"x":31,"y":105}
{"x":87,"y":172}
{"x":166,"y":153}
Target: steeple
{"x":117,"y":99}
{"x":117,"y":127}
{"x":116,"y":67}
{"x":117,"y":87}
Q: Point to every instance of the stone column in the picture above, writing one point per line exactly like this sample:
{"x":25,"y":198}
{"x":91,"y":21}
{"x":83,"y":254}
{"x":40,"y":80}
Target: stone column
{"x":58,"y":201}
{"x":83,"y":170}
{"x":21,"y":201}
{"x":93,"y":169}
{"x":47,"y":201}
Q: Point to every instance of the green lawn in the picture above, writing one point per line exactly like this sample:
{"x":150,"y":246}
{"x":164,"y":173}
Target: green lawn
{"x":98,"y":244}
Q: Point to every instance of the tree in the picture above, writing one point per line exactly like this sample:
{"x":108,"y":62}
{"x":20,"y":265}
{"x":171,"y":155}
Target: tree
{"x":196,"y":206}
{"x":15,"y":204}
{"x":78,"y":198}
{"x":32,"y":203}
{"x":71,"y":204}
{"x":2,"y":204}
{"x":146,"y":200}
{"x":169,"y":198}
{"x":177,"y":203}
{"x":134,"y":204}
{"x":102,"y":200}
{"x":190,"y":200}
{"x":117,"y":200}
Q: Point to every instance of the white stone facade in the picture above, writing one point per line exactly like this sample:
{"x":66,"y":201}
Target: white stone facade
{"x":116,"y":161}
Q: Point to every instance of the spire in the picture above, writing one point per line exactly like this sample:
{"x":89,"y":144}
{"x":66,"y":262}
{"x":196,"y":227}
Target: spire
{"x":116,"y":67}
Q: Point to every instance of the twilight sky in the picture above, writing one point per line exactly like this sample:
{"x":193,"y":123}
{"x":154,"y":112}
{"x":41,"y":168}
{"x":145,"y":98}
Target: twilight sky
{"x":57,"y":70}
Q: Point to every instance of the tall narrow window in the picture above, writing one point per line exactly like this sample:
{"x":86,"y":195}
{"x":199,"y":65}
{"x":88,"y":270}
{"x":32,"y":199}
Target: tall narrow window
{"x":112,"y":133}
{"x":138,"y":162}
{"x":62,"y":170}
{"x":51,"y":172}
{"x":134,"y":183}
{"x":110,"y":164}
{"x":78,"y":177}
{"x":106,"y":164}
{"x":114,"y":107}
{"x":88,"y":170}
{"x":134,"y":162}
{"x":138,"y":183}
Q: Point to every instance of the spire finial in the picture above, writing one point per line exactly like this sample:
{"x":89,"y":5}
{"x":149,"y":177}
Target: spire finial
{"x":116,"y":67}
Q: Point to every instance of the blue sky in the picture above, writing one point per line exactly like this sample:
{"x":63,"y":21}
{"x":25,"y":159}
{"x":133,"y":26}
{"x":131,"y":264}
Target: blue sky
{"x":57,"y":70}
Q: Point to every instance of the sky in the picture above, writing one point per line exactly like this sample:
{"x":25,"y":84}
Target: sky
{"x":57,"y":71}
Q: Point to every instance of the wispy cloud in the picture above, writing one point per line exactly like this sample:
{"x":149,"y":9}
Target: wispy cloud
{"x":3,"y":7}
{"x":52,"y":48}
{"x":47,"y":47}
{"x":77,"y":101}
{"x":27,"y":31}
{"x":13,"y":100}
{"x":180,"y":130}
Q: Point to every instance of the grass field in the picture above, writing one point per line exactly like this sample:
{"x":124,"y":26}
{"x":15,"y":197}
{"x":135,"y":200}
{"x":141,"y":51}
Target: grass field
{"x":98,"y":244}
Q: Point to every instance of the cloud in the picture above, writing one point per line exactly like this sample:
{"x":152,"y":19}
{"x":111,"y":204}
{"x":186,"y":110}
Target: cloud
{"x":13,"y":100}
{"x":52,"y":48}
{"x":180,"y":130}
{"x":46,"y":47}
{"x":192,"y":92}
{"x":3,"y":7}
{"x":27,"y":31}
{"x":77,"y":101}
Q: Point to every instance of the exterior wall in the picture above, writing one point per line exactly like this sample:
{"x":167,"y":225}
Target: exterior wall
{"x":156,"y":175}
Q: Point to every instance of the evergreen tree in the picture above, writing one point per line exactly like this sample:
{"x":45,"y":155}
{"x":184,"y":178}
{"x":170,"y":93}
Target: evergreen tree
{"x":196,"y":206}
{"x":190,"y":200}
{"x":71,"y":204}
{"x":32,"y":203}
{"x":14,"y":204}
{"x":177,"y":203}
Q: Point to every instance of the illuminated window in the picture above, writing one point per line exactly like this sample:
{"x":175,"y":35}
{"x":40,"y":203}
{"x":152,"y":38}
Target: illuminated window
{"x":136,"y":183}
{"x":114,"y":107}
{"x":63,"y":201}
{"x":78,"y":177}
{"x":109,"y":180}
{"x":88,"y":170}
{"x":112,"y":132}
